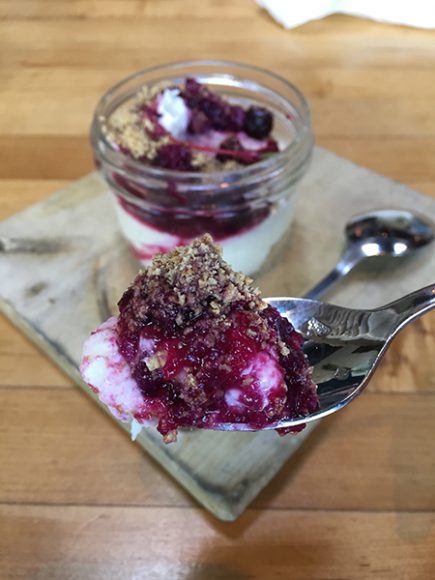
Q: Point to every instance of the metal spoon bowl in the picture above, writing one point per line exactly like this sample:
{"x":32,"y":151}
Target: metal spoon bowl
{"x":344,"y":346}
{"x":385,"y":233}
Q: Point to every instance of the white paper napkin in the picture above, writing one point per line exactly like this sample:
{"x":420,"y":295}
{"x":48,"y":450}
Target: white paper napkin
{"x":290,"y":13}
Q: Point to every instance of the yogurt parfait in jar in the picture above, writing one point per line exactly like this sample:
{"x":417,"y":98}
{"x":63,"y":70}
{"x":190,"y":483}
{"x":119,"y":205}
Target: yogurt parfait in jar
{"x":203,"y":147}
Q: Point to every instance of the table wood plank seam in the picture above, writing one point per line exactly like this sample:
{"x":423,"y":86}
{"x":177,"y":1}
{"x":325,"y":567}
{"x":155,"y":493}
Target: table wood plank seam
{"x":195,"y":508}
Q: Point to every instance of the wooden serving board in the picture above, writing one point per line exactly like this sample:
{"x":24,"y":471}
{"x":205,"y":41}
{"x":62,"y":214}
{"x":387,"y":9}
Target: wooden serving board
{"x":56,"y":299}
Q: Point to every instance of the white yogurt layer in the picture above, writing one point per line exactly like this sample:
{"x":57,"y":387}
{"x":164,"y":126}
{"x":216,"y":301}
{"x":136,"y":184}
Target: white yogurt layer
{"x":174,"y":114}
{"x":105,"y":370}
{"x":145,"y":240}
{"x":245,"y":252}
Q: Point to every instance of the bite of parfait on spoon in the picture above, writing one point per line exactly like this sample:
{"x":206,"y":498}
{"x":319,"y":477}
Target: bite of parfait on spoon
{"x":195,"y":346}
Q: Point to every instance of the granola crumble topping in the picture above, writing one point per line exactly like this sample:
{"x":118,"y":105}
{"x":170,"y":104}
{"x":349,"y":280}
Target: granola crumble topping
{"x":139,"y":133}
{"x":192,"y":281}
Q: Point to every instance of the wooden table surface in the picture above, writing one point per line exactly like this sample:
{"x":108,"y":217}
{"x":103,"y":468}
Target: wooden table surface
{"x":77,"y":499}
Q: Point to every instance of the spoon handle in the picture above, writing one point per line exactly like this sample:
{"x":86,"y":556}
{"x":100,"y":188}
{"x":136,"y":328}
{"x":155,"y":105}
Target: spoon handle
{"x":412,"y":306}
{"x":351,"y":256}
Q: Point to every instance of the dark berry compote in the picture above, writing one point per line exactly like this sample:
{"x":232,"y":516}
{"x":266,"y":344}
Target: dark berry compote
{"x":195,"y":346}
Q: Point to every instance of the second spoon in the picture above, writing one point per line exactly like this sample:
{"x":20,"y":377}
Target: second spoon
{"x":377,"y":234}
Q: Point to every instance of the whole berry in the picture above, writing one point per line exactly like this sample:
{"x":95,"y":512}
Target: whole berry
{"x":229,"y":144}
{"x":258,"y":122}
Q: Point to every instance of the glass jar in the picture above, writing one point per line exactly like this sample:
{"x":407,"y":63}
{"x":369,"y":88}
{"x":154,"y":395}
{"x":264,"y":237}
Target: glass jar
{"x":247,"y":210}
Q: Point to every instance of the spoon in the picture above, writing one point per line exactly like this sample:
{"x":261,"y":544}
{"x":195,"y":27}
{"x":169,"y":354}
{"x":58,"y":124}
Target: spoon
{"x":344,"y":346}
{"x":385,"y":233}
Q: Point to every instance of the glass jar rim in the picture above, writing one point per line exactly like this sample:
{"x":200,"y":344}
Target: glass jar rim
{"x":101,"y":144}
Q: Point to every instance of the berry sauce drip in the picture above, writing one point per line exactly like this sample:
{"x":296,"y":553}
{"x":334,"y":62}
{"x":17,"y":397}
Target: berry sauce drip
{"x":190,"y":225}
